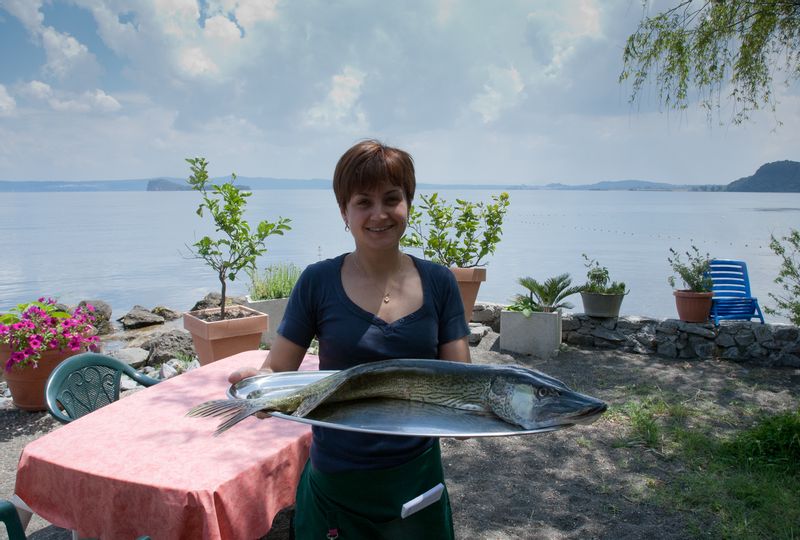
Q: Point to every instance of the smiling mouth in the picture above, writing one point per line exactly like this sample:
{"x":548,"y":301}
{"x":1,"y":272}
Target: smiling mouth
{"x":379,"y":229}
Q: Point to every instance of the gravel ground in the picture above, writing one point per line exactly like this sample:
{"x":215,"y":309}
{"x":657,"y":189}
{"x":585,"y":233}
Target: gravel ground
{"x":576,"y":483}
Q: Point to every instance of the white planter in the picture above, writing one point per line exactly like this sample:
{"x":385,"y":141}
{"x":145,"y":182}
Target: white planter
{"x":538,"y":335}
{"x":275,"y":309}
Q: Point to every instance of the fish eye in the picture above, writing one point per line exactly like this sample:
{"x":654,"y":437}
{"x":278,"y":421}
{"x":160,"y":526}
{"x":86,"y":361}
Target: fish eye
{"x":543,"y":392}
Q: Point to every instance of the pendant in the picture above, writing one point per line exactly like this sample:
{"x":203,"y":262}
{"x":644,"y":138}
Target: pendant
{"x":386,"y":299}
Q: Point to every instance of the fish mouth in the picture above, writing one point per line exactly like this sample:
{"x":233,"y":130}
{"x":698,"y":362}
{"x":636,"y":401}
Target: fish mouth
{"x":589,"y":415}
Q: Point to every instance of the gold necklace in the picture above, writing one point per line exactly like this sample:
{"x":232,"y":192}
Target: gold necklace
{"x":386,"y":293}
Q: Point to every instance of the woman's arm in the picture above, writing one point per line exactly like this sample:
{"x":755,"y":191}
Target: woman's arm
{"x":456,"y":351}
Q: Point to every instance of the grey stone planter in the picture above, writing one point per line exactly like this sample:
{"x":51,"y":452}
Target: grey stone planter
{"x":601,"y":305}
{"x":538,"y":335}
{"x":275,"y":309}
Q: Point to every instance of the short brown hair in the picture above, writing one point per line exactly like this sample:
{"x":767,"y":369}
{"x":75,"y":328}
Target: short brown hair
{"x":369,"y":163}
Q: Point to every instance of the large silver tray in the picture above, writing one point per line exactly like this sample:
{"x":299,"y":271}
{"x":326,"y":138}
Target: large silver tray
{"x":379,"y":416}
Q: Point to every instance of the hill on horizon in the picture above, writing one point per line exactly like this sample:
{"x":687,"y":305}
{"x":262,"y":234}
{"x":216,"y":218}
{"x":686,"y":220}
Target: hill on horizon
{"x":775,"y":177}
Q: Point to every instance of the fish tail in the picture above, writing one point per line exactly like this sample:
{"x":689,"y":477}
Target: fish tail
{"x":233,"y":410}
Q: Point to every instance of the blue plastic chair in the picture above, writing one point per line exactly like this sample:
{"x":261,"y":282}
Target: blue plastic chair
{"x":732,"y":297}
{"x":85,"y":382}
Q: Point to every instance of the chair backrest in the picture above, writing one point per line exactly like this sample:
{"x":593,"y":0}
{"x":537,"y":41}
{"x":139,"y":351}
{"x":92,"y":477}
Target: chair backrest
{"x":86,"y":382}
{"x":730,"y":279}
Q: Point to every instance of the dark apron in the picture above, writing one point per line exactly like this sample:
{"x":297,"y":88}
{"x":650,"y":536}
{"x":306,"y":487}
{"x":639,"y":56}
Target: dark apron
{"x":365,"y":505}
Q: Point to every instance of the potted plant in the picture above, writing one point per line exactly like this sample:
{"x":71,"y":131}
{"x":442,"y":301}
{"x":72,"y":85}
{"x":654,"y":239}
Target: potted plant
{"x":223,"y":331}
{"x":601,"y":297}
{"x":34,"y":338}
{"x":269,"y":293}
{"x":459,"y":237}
{"x":532,"y":324}
{"x":694,"y":302}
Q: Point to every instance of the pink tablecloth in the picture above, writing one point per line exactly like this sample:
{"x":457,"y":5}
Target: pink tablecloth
{"x":140,"y":466}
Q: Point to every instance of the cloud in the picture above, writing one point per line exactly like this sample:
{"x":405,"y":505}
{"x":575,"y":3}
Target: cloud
{"x":65,"y":54}
{"x":340,"y":107}
{"x":502,"y":91}
{"x":7,"y":103}
{"x":193,"y":61}
{"x":95,"y":100}
{"x":37,"y":90}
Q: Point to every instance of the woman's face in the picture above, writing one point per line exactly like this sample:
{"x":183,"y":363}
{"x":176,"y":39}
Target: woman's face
{"x":377,"y":218}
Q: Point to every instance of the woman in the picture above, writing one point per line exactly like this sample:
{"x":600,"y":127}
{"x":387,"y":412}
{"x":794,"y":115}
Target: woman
{"x":372,"y":304}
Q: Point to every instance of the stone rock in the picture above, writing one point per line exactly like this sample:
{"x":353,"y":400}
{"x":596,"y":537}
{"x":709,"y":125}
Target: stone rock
{"x":633,"y":324}
{"x":167,"y":371}
{"x":168,"y":345}
{"x":731,"y":353}
{"x":133,"y":356}
{"x":608,"y":335}
{"x":725,"y":340}
{"x":102,"y":315}
{"x":476,"y":332}
{"x":213,"y":299}
{"x":744,"y":337}
{"x":139,"y":317}
{"x":634,"y":345}
{"x":699,"y":329}
{"x":762,"y":332}
{"x":785,"y":333}
{"x":578,"y":339}
{"x":756,"y":351}
{"x":167,"y":313}
{"x":667,"y":349}
{"x":789,"y":360}
{"x":668,"y":326}
{"x":488,"y":313}
{"x":570,"y":322}
{"x":702,"y":348}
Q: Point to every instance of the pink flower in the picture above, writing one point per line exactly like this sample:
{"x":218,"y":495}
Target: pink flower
{"x":35,"y":341}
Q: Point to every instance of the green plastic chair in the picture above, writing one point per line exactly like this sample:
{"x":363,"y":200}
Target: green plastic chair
{"x":10,"y":518}
{"x":86,"y":382}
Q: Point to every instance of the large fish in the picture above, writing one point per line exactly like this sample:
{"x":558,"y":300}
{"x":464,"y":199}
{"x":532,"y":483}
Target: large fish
{"x":520,"y":396}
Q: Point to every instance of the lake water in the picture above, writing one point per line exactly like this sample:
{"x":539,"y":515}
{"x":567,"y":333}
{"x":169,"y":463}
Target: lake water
{"x":130,"y":247}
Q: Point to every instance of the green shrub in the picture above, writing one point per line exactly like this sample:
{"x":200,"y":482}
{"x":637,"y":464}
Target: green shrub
{"x":277,"y":281}
{"x":693,"y":272}
{"x":788,"y":277}
{"x":598,"y":279}
{"x":460,"y":235}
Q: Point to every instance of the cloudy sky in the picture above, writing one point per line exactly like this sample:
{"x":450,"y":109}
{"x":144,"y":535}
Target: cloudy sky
{"x":478,"y":91}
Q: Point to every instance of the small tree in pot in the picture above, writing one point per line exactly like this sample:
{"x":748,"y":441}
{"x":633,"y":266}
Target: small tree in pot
{"x":236,"y":249}
{"x":694,"y":302}
{"x":601,"y":296}
{"x":459,"y":237}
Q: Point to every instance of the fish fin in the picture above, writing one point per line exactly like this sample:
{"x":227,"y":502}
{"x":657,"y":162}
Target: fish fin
{"x":310,"y":403}
{"x":234,"y":411}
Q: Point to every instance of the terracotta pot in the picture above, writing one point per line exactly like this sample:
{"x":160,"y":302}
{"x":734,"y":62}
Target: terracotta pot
{"x":27,"y":383}
{"x":469,"y":281}
{"x":220,"y":339}
{"x":693,"y":306}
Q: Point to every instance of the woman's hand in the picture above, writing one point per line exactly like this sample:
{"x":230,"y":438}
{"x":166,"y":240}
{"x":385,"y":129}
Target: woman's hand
{"x":243,"y":373}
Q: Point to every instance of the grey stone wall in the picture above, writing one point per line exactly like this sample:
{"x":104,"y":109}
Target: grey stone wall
{"x":766,"y":344}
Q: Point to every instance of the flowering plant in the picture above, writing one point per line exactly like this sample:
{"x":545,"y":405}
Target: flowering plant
{"x":33,"y":328}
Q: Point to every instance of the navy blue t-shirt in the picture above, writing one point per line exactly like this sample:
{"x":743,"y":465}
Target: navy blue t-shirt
{"x":349,"y":335}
